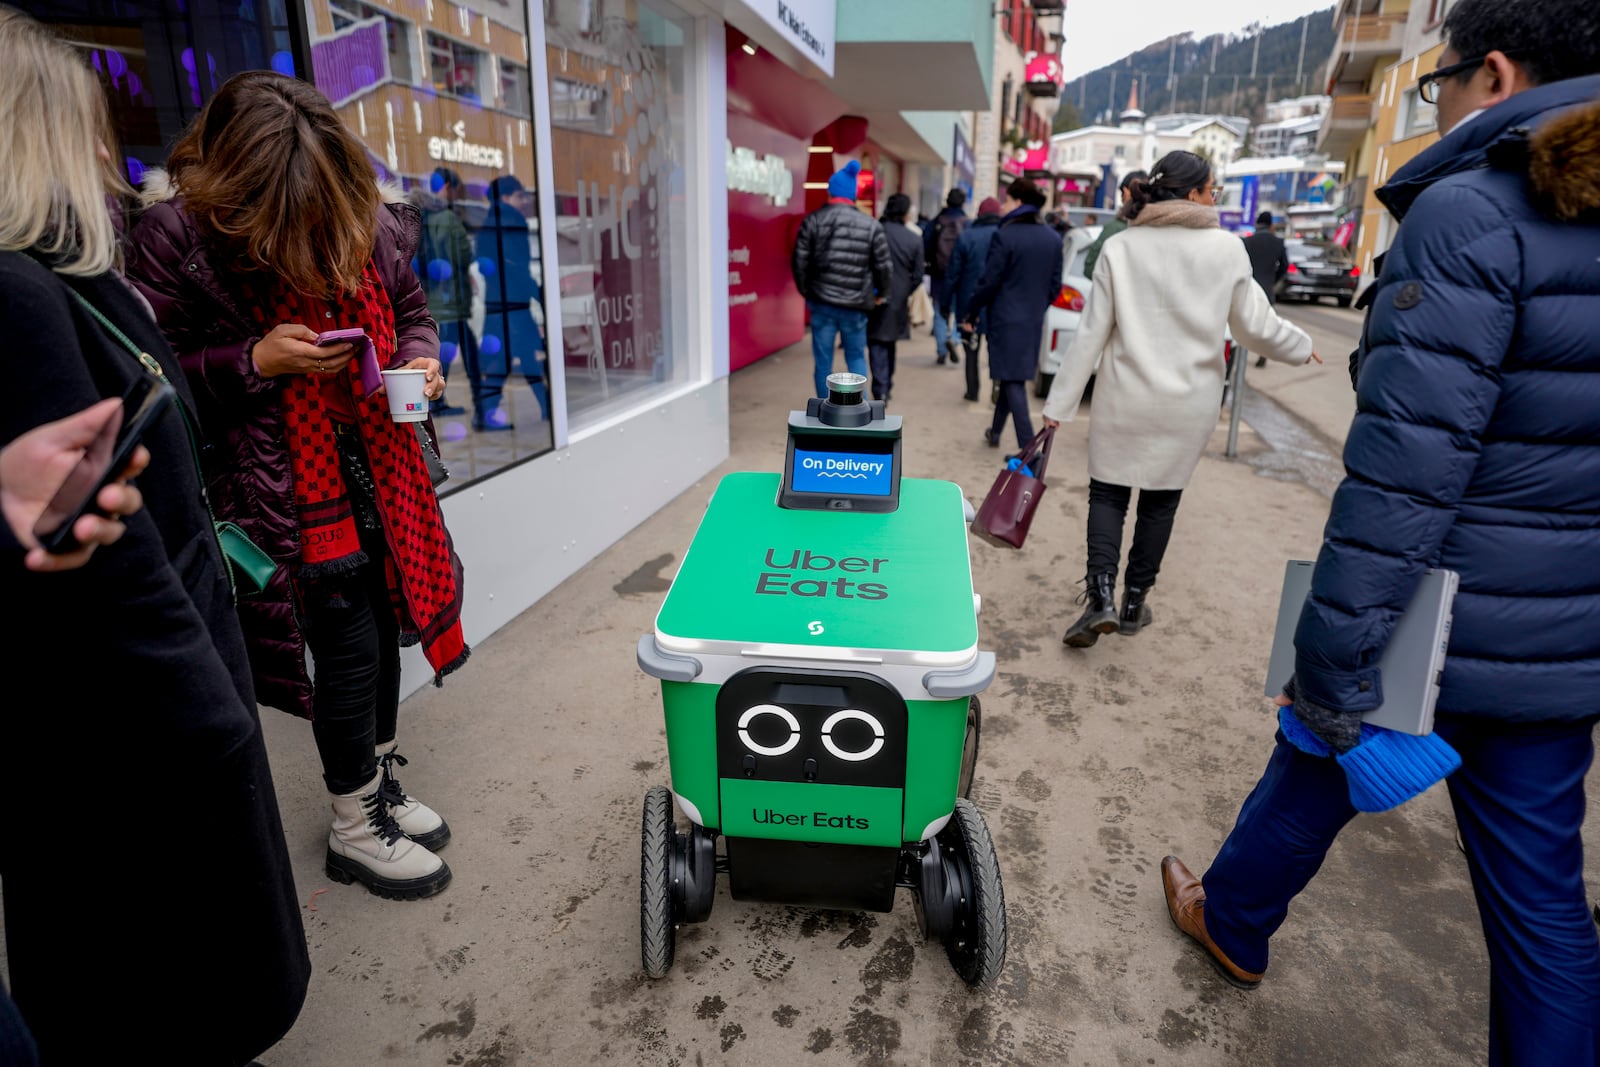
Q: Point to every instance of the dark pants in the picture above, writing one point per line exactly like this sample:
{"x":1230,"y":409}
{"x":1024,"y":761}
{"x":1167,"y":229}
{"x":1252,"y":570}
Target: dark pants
{"x":1013,"y":404}
{"x":1108,"y":508}
{"x":881,"y":355}
{"x":1519,"y":802}
{"x":354,"y":637}
{"x":971,"y":342}
{"x":849,"y":326}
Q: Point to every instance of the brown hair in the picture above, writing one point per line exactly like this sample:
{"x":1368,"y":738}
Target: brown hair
{"x":269,"y":170}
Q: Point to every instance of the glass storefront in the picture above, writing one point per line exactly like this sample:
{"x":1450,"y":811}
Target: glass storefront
{"x":441,"y":94}
{"x":617,"y":71}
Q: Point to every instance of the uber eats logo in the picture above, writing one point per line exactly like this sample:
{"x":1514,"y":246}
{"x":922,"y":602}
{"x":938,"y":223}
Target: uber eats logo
{"x":789,"y":573}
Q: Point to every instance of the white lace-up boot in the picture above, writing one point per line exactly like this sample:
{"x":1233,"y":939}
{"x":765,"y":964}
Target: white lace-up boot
{"x":366,"y":845}
{"x":417,"y":821}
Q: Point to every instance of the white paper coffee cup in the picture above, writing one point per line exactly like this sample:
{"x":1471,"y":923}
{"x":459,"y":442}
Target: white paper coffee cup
{"x":408,"y":399}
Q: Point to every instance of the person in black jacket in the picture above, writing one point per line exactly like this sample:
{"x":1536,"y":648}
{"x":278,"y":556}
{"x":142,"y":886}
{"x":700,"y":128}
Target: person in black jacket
{"x":1269,"y":261}
{"x":891,"y":320}
{"x":939,"y":238}
{"x":1021,"y":276}
{"x":176,"y":930}
{"x":841,"y":266}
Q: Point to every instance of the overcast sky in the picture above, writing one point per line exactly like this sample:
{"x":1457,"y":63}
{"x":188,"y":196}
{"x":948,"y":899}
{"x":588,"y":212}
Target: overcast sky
{"x":1102,"y":31}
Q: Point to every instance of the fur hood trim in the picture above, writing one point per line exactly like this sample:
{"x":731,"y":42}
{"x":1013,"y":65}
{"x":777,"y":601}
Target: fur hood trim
{"x":1564,"y":164}
{"x":1185,"y":214}
{"x":158,"y":187}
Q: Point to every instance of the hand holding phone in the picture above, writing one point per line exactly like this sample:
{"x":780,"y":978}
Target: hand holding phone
{"x":74,"y":512}
{"x":291,"y":348}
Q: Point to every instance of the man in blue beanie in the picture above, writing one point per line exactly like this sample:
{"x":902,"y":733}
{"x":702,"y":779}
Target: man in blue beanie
{"x":1474,"y":448}
{"x":841,"y":266}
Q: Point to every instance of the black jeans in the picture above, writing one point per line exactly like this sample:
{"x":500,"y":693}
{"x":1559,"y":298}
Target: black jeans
{"x":354,"y":637}
{"x":1108,"y":507}
{"x":970,"y":342}
{"x":880,"y":354}
{"x":1013,"y":403}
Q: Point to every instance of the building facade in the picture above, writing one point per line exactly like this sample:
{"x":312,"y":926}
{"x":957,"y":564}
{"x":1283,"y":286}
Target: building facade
{"x":1012,"y":137}
{"x":626,"y":191}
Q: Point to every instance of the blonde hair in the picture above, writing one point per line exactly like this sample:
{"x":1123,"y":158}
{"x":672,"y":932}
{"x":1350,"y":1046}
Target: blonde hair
{"x":53,"y":122}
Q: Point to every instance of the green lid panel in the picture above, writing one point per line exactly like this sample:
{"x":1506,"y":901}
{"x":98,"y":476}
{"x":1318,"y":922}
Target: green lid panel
{"x":757,"y":574}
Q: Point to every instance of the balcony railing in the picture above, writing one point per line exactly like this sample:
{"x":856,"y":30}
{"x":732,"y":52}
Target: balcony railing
{"x":1355,"y":108}
{"x":1346,"y":124}
{"x":1372,"y":32}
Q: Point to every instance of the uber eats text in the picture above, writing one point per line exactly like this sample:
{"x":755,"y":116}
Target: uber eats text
{"x":788,"y":573}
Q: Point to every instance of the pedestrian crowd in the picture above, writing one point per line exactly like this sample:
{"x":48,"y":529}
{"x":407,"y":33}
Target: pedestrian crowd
{"x":285,"y":540}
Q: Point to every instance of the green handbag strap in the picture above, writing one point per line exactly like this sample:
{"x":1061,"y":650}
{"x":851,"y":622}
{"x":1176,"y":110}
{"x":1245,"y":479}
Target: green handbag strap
{"x":149,"y":363}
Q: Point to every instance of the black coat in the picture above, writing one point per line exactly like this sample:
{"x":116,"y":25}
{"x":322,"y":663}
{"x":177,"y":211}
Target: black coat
{"x":891,"y":320}
{"x":1269,"y":260}
{"x":148,"y":896}
{"x":841,"y":257}
{"x":1021,"y":277}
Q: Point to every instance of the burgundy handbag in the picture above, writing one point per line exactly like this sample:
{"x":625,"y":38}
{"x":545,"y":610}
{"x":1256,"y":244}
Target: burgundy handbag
{"x":1007,"y":511}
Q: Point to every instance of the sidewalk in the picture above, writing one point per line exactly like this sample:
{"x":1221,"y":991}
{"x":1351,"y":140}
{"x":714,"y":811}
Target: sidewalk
{"x":1093,"y":766}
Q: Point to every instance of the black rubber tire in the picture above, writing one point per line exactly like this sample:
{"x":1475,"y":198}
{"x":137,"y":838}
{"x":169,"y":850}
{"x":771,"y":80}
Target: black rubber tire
{"x":658,"y":934}
{"x":969,"y":748}
{"x":977,"y":946}
{"x":1042,"y":383}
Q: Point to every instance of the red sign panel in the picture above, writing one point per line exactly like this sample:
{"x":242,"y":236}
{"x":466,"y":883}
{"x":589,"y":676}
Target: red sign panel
{"x":1044,"y":68}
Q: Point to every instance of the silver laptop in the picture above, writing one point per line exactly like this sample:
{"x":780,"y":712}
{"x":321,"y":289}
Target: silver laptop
{"x":1411,"y":664}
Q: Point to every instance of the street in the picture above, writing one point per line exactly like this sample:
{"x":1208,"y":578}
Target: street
{"x":1094,"y":764}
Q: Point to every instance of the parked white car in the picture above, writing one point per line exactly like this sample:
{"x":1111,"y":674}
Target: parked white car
{"x":1061,"y":320}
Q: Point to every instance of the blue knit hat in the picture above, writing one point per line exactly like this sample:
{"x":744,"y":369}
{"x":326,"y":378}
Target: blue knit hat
{"x":1387,"y":768}
{"x":842,"y":185}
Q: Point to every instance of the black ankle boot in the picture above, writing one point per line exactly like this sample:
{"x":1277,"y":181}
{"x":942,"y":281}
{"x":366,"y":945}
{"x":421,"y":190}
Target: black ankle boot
{"x":1136,"y":614}
{"x":1099,"y":616}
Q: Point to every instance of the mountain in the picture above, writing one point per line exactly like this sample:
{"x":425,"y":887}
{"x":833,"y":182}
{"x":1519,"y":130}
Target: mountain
{"x":1210,"y":75}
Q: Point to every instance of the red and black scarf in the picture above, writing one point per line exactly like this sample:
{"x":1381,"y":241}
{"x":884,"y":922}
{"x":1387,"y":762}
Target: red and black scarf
{"x":423,"y":573}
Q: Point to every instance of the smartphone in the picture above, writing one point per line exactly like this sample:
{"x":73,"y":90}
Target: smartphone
{"x":103,"y":462}
{"x":366,"y":355}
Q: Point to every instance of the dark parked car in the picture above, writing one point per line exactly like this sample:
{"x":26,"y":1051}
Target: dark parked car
{"x":1317,"y":268}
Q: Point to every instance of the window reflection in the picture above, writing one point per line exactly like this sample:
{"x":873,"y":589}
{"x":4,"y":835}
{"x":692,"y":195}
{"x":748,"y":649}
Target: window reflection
{"x":456,"y":140}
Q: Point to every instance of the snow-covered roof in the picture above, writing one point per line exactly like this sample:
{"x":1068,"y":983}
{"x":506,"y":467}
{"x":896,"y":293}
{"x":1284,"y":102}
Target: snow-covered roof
{"x":1282,"y":164}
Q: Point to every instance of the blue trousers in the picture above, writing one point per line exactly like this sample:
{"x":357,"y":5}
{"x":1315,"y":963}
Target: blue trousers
{"x":1519,"y":802}
{"x":828,"y":322}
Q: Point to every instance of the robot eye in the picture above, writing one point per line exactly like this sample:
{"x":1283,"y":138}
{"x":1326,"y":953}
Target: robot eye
{"x":853,"y":736}
{"x":777,"y":728}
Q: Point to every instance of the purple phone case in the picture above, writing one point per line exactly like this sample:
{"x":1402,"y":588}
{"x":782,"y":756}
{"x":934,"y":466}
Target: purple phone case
{"x":367,"y":361}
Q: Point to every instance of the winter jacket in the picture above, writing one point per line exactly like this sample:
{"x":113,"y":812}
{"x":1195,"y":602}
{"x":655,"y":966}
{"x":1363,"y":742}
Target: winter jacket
{"x":1476,"y":441}
{"x":444,"y":262}
{"x":241,"y":413}
{"x":841,"y":257}
{"x":1021,"y":276}
{"x":1164,"y":295}
{"x":137,"y":662}
{"x":891,"y":320}
{"x":1107,"y":232}
{"x":966,"y":266}
{"x":950,"y":216}
{"x":1269,"y":260}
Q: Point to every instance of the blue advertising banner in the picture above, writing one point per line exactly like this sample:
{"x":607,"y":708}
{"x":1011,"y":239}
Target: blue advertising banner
{"x":1250,"y":197}
{"x":963,"y":162}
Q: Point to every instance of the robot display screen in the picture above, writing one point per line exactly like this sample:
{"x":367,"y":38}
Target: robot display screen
{"x":857,"y":472}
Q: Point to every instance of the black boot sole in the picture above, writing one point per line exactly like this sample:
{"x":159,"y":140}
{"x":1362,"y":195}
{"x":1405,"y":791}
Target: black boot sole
{"x":1086,"y":637}
{"x":434,"y":840}
{"x":347,"y":871}
{"x":1128,"y":629}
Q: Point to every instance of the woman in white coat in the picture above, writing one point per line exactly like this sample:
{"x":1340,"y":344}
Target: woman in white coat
{"x":1164,"y":290}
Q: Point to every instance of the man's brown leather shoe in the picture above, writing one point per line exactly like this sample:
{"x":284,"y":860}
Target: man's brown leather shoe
{"x":1186,"y":903}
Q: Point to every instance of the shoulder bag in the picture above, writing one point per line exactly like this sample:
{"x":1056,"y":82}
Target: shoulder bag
{"x":1007,"y":512}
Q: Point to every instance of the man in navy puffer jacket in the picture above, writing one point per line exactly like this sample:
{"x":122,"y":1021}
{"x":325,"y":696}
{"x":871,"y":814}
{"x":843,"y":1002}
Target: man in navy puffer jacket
{"x":1475,"y":447}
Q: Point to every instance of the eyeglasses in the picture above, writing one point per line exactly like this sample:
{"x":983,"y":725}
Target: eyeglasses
{"x":1428,"y":84}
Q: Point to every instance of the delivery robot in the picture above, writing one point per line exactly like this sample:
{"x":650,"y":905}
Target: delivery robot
{"x":820,"y":671}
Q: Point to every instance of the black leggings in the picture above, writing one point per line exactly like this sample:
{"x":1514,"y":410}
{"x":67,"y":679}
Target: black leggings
{"x":1108,"y":508}
{"x":1013,"y":402}
{"x":354,"y":637}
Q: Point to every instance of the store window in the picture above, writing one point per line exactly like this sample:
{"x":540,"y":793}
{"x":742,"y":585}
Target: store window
{"x":456,"y":139}
{"x":1415,"y":116}
{"x":617,"y":70}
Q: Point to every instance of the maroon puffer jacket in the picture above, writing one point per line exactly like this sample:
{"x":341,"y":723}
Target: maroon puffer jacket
{"x":241,"y":413}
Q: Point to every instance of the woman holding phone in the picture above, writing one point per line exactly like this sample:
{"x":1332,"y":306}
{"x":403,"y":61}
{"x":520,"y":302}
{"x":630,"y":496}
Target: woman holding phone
{"x":246,"y":266}
{"x":143,"y":823}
